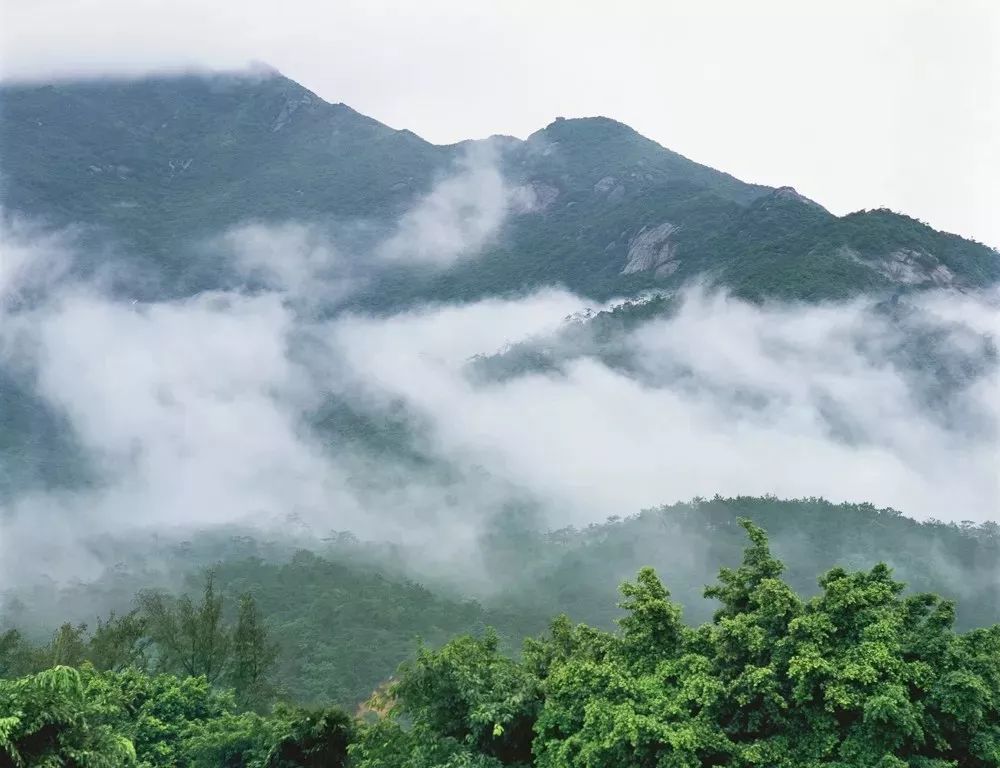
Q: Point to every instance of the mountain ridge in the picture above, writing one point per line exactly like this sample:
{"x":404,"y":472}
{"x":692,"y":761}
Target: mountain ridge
{"x":158,"y":164}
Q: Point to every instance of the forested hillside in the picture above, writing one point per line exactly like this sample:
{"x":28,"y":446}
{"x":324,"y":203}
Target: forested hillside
{"x":856,"y":676}
{"x":344,"y":616}
{"x":158,"y":167}
{"x":324,"y":445}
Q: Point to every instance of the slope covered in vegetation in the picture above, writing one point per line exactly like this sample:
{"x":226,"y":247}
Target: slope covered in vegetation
{"x":159,"y":166}
{"x":857,"y":676}
{"x":342,"y":617}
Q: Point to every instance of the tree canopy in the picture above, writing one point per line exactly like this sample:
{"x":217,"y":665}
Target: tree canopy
{"x":860,"y":674}
{"x":857,"y":676}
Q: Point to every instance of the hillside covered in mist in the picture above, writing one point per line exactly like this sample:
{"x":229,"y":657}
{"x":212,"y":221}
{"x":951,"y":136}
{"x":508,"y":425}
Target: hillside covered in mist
{"x":289,"y":398}
{"x":345,"y":611}
{"x":856,"y":674}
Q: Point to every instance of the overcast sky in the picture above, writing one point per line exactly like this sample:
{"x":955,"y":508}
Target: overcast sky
{"x":856,"y":104}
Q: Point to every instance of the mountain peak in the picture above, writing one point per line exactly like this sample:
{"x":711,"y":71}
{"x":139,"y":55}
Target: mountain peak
{"x":791,"y":194}
{"x":264,"y":69}
{"x":597,"y":127}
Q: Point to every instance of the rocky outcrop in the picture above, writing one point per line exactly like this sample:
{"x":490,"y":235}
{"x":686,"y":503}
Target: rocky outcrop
{"x":179,"y":166}
{"x":544,"y":194}
{"x":909,"y":267}
{"x":652,"y":249}
{"x":789,"y":193}
{"x":287,"y":110}
{"x":605,"y":185}
{"x":610,"y":186}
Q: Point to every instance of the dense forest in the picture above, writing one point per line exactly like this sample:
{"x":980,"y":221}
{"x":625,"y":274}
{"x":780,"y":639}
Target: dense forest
{"x":346,"y":612}
{"x":860,"y":674}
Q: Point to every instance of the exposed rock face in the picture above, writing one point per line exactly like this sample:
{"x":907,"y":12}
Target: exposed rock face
{"x":789,"y":193}
{"x":606,"y":184}
{"x":652,"y":249}
{"x":609,"y":186}
{"x":544,"y":195}
{"x":909,"y":267}
{"x":287,"y":110}
{"x":179,"y":166}
{"x":914,"y":268}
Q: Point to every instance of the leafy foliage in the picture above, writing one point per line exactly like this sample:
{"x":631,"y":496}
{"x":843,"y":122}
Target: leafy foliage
{"x":52,"y":719}
{"x":861,"y":674}
{"x":342,"y":629}
{"x":84,"y":718}
{"x":854,"y":677}
{"x":253,"y":657}
{"x":341,"y":620}
{"x":192,"y":639}
{"x":574,"y":570}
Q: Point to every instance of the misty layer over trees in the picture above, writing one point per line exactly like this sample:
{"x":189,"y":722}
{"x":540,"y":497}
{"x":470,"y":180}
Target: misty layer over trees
{"x":858,"y":675}
{"x":289,"y":398}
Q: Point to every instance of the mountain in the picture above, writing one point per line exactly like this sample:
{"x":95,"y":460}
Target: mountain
{"x":157,"y":165}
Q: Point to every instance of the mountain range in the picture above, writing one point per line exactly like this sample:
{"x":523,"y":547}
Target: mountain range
{"x":255,"y":367}
{"x":155,"y":166}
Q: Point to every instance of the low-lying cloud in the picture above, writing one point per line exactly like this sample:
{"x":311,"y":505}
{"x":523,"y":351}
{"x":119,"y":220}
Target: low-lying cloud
{"x":723,"y":397}
{"x":291,"y":258}
{"x":460,"y":216}
{"x":215,"y":408}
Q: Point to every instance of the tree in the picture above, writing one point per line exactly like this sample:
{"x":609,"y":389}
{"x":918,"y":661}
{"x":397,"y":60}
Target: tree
{"x":467,"y":699}
{"x":119,"y":642}
{"x":858,"y":676}
{"x":169,"y":719}
{"x":189,"y":639}
{"x":861,"y":675}
{"x":313,"y":739}
{"x":52,"y":719}
{"x":253,"y":657}
{"x":17,"y":656}
{"x":652,"y":623}
{"x":68,"y":647}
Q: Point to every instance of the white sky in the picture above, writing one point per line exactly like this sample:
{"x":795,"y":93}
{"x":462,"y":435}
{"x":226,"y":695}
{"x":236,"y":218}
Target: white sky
{"x":856,"y":104}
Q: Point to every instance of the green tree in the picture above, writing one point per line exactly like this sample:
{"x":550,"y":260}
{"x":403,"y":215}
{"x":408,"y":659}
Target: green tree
{"x":52,"y":719}
{"x":253,"y":658}
{"x":312,"y":739}
{"x":119,"y":642}
{"x":190,"y":639}
{"x":68,"y":647}
{"x":232,"y":740}
{"x":17,"y":656}
{"x":642,"y":698}
{"x":860,"y":675}
{"x":470,"y":697}
{"x":652,"y":624}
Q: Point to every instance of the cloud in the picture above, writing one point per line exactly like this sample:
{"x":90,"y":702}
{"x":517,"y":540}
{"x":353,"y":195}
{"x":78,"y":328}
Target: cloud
{"x":189,"y":411}
{"x":461,"y":214}
{"x":724,"y":397}
{"x":31,"y":259}
{"x":246,"y":406}
{"x":297,"y":259}
{"x":285,"y":257}
{"x":308,"y":263}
